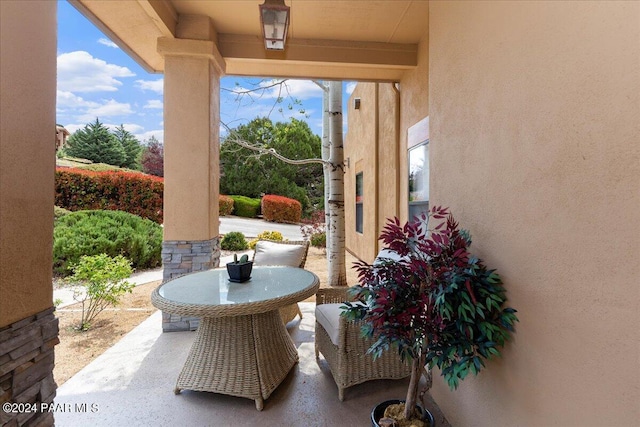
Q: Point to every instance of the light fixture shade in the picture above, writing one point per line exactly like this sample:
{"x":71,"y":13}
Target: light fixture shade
{"x":274,"y":17}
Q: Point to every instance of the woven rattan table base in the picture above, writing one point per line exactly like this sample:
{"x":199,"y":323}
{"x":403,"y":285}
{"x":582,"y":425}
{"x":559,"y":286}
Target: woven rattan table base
{"x":245,"y":356}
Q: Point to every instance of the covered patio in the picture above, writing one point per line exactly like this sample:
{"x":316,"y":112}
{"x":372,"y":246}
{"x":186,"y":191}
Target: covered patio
{"x":132,"y":384}
{"x":532,"y":110}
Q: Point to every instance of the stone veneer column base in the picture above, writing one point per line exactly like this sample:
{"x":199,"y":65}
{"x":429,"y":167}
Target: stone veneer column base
{"x":180,"y":257}
{"x":26,"y":368}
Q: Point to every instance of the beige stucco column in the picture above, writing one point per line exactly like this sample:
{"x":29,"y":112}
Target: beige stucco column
{"x":28,"y":327}
{"x":191,"y":155}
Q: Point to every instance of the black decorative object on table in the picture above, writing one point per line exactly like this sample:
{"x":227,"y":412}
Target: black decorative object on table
{"x":240,"y":270}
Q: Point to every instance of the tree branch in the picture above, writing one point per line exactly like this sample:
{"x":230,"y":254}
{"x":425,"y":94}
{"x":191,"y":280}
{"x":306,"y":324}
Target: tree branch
{"x":271,"y":151}
{"x":322,"y":86}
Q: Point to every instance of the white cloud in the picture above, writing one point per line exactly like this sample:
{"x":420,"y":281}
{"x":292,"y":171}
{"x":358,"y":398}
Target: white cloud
{"x":302,"y":89}
{"x":350,"y":87}
{"x":276,"y":88}
{"x":68,"y":101}
{"x":72,"y":127}
{"x":109,"y":109}
{"x":131,"y":127}
{"x":154,"y":103}
{"x":80,"y":72}
{"x":297,"y":89}
{"x":156,"y":86}
{"x":144,"y":136}
{"x":108,"y":42}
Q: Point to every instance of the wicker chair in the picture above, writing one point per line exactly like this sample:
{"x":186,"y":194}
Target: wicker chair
{"x":348,"y":359}
{"x":289,"y":312}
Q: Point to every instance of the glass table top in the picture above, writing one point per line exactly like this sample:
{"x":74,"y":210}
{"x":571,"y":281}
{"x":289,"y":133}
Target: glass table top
{"x":212,"y":287}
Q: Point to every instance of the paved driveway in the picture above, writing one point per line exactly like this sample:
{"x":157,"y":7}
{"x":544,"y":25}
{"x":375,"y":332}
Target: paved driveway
{"x":252,"y":227}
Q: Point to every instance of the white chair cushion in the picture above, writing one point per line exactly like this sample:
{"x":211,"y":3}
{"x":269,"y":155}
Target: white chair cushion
{"x":270,"y":253}
{"x":328,"y":315}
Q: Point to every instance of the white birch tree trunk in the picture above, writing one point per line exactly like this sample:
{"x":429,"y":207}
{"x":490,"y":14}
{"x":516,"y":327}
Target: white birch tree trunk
{"x":326,"y":151}
{"x":337,"y":274}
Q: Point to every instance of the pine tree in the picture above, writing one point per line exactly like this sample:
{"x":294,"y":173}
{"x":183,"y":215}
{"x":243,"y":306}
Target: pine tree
{"x":153,"y":157}
{"x":94,"y":142}
{"x":244,"y":173}
{"x":131,"y":145}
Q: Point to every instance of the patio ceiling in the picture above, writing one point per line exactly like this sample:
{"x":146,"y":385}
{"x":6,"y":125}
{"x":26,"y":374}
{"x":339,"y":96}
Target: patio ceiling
{"x":354,"y":39}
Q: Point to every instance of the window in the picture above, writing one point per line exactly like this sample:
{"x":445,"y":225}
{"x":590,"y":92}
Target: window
{"x":359,"y":197}
{"x":419,"y":179}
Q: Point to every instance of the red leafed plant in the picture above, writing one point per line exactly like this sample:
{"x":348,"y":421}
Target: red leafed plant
{"x":437,"y":306}
{"x":133,"y":192}
{"x":281,"y":209}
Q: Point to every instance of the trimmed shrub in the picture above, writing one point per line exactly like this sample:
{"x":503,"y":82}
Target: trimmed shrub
{"x":266,"y":235}
{"x":234,"y":241}
{"x":59,"y":212}
{"x":245,"y":206}
{"x":319,"y":240}
{"x":225,"y":205}
{"x":109,"y":232}
{"x":132,"y":192}
{"x":281,"y":209}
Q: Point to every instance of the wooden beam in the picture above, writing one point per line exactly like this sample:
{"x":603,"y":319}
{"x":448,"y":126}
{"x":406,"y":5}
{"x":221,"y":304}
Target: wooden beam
{"x":328,"y":51}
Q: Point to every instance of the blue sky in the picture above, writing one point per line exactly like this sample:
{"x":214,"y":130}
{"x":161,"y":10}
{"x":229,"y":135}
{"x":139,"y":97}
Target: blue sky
{"x":98,"y":79}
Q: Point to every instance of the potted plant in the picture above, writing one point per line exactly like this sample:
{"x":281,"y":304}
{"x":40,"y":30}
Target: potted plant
{"x":438,"y":305}
{"x":239,"y":270}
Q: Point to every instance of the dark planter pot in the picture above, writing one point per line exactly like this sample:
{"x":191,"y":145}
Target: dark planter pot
{"x":239,"y":272}
{"x":378,"y":412}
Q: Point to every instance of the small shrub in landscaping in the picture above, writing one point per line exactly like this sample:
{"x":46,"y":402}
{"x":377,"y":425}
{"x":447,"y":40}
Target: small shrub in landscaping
{"x":101,"y":280}
{"x":109,"y":232}
{"x":266,"y":235}
{"x":319,"y":240}
{"x":281,"y":209}
{"x":225,"y":205}
{"x":246,"y":206}
{"x":234,"y":241}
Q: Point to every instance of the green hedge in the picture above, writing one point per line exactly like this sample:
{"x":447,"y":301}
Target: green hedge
{"x":109,"y":232}
{"x":131,"y":192}
{"x":246,"y":206}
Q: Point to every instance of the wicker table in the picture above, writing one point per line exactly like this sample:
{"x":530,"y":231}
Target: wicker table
{"x":241,"y":348}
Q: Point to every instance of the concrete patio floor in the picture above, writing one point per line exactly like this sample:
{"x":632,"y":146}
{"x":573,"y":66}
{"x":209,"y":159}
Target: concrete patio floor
{"x":132,"y":384}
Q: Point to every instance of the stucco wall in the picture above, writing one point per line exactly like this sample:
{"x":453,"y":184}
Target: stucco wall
{"x":359,"y":146}
{"x":388,"y":156}
{"x":27,"y":156}
{"x":534,"y":145}
{"x":371,"y":146}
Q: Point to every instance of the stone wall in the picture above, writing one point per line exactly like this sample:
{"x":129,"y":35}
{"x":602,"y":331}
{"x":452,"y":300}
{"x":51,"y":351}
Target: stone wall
{"x":181,"y":257}
{"x":26,"y":368}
